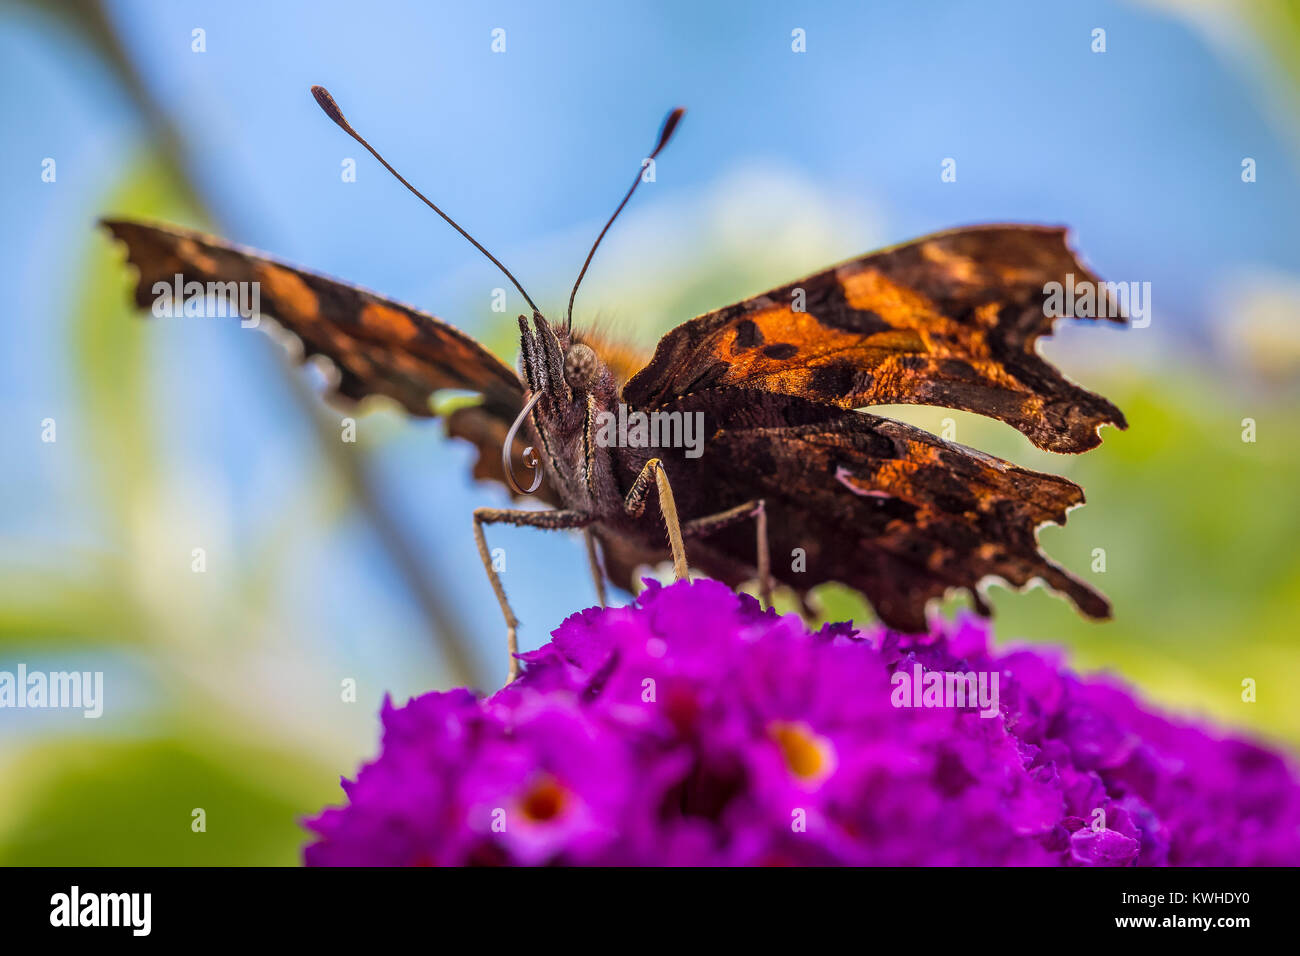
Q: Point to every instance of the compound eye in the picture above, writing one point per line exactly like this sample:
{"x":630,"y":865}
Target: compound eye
{"x":581,"y":367}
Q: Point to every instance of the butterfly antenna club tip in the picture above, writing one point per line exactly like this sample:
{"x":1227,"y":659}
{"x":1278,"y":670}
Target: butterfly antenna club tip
{"x":331,"y":109}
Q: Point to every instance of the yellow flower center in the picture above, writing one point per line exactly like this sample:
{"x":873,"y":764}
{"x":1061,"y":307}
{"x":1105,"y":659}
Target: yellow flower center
{"x":808,"y":756}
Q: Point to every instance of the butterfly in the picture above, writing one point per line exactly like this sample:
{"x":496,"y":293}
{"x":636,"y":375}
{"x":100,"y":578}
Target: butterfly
{"x":768,"y":453}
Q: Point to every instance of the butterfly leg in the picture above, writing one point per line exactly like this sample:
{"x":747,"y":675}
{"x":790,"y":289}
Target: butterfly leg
{"x":634,"y":504}
{"x":548,"y":520}
{"x":597,"y":572}
{"x":755,"y":509}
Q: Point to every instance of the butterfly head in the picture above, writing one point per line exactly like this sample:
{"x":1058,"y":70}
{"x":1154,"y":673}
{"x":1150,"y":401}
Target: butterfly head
{"x":567,"y":371}
{"x":570,"y":384}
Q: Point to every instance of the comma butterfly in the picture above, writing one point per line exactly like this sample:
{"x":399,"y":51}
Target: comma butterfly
{"x":766,"y":451}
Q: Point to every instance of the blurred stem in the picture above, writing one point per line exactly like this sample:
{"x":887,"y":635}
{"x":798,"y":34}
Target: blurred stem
{"x":89,"y":19}
{"x":353,"y":466}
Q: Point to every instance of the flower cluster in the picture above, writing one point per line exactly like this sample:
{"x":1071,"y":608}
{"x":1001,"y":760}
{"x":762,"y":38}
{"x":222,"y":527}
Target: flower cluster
{"x":695,"y":728}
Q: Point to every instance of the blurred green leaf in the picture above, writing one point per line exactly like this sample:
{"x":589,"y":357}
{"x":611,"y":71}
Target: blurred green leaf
{"x":57,"y":612}
{"x":107,"y":802}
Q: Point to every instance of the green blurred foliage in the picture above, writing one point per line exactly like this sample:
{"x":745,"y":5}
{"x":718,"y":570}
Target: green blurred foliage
{"x":131,"y":802}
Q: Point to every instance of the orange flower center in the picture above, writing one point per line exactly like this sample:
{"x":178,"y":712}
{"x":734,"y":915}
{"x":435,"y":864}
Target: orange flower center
{"x":808,"y":756}
{"x":544,"y":800}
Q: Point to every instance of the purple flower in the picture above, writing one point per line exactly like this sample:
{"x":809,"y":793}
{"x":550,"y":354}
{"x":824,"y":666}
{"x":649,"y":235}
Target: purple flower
{"x":694,"y":728}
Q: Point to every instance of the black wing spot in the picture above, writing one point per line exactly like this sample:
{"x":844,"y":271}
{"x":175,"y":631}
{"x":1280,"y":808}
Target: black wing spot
{"x":956,"y":368}
{"x":838,"y":378}
{"x":748,"y":334}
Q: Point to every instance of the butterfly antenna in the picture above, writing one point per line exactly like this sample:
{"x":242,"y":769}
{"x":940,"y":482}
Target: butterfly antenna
{"x":333,"y":112}
{"x":670,"y":124}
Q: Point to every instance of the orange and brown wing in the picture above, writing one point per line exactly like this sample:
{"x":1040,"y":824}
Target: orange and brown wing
{"x":950,"y":320}
{"x":889,"y":509}
{"x":378,"y":346}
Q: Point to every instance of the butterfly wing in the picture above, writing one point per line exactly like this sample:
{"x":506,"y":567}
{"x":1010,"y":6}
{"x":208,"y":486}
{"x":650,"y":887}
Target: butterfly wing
{"x":378,"y":346}
{"x":889,"y":509}
{"x":950,"y":320}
